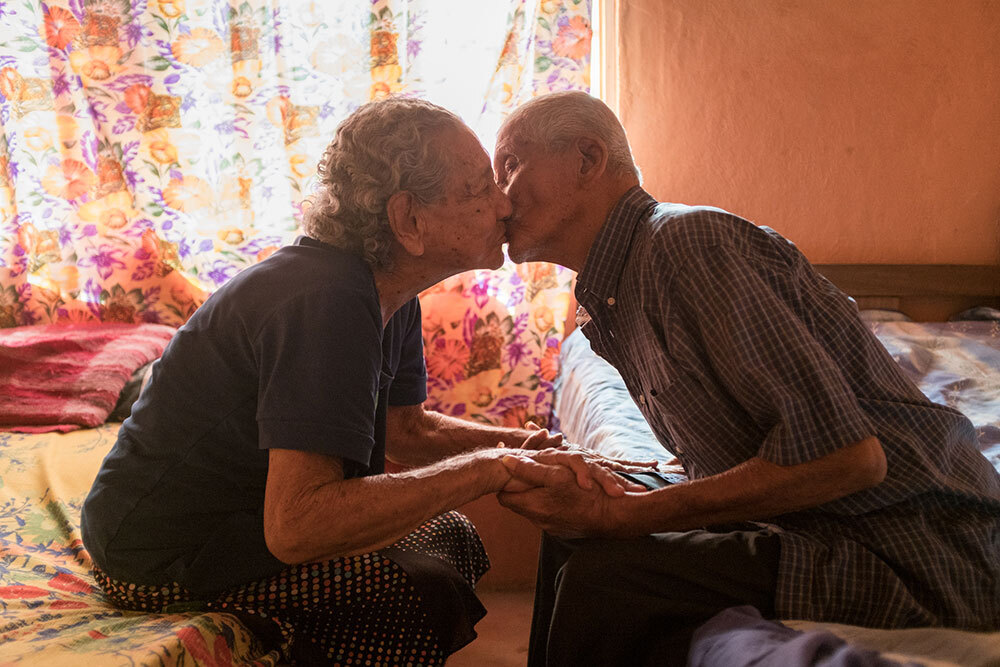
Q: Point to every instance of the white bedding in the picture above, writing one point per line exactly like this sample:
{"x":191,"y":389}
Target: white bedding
{"x":954,"y":363}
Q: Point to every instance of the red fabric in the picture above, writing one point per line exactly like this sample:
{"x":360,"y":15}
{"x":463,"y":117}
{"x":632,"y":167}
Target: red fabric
{"x":63,"y":377}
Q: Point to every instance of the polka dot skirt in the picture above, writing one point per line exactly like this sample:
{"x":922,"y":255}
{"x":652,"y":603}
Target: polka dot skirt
{"x":409,"y":604}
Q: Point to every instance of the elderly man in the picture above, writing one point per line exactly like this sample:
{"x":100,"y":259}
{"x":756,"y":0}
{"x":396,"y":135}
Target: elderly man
{"x":249,"y":478}
{"x":823,"y":484}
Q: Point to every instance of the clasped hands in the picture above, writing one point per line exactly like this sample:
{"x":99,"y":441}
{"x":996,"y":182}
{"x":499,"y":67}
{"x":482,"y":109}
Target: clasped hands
{"x":567,"y":490}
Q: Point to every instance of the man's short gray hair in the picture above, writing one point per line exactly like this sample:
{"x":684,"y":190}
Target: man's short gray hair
{"x":557,"y":119}
{"x":382,"y":148}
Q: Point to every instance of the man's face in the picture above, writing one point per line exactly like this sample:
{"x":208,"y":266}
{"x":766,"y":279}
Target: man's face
{"x":541,"y":190}
{"x":468,"y":230}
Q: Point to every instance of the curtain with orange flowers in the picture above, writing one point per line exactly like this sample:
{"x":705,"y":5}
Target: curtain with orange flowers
{"x":151,"y":149}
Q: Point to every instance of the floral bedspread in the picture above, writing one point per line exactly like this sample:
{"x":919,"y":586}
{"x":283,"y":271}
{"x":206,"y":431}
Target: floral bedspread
{"x":51,"y":612}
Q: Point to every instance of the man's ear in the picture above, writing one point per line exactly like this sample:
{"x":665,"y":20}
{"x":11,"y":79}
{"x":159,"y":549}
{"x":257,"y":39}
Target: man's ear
{"x":407,"y":226}
{"x":593,"y":155}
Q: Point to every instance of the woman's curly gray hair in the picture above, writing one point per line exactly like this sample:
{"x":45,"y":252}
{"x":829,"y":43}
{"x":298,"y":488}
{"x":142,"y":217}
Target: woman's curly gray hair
{"x":382,"y":148}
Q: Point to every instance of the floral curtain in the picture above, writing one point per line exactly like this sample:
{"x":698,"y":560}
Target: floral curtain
{"x":151,"y":149}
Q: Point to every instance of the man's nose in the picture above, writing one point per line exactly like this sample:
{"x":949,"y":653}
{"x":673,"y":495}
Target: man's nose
{"x":504,"y":207}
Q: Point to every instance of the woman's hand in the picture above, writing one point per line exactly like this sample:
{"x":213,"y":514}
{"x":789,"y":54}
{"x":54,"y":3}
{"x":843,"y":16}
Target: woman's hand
{"x":541,"y":439}
{"x":620,"y":465}
{"x":671,"y":465}
{"x":590,"y":472}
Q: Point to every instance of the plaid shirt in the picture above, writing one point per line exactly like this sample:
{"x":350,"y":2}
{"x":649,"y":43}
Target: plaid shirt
{"x":735,"y":347}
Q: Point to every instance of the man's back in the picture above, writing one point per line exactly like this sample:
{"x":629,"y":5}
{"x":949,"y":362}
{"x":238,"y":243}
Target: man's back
{"x":734,"y":348}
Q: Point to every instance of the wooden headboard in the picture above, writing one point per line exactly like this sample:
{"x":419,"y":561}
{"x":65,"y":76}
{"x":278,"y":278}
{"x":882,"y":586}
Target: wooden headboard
{"x":926,"y":292}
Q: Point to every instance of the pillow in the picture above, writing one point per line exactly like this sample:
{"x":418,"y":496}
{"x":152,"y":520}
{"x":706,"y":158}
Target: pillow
{"x":64,"y":377}
{"x":979,"y":313}
{"x":883,"y":315}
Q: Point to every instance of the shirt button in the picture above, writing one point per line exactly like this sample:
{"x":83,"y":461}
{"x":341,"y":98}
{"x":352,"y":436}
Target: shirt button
{"x":642,"y":399}
{"x":611,"y":300}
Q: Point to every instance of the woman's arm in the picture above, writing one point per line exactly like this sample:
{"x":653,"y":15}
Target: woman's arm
{"x":312,"y":513}
{"x":415,"y":436}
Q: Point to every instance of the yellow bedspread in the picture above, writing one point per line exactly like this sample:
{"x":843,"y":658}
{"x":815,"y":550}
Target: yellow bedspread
{"x":51,"y":611}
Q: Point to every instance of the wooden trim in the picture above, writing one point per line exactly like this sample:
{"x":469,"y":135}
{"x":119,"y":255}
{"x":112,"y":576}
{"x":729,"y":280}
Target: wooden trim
{"x":912,"y":280}
{"x":604,"y":59}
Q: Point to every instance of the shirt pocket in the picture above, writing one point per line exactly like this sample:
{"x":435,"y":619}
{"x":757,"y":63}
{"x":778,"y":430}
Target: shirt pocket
{"x":665,"y":393}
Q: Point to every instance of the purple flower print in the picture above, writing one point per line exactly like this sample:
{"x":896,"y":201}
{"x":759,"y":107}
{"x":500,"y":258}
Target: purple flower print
{"x":220,"y":272}
{"x":480,"y":292}
{"x":515,"y":352}
{"x":60,"y":84}
{"x":106,"y":260}
{"x":134,"y":33}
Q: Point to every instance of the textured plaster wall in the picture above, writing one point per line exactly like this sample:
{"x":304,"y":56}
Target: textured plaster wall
{"x":866,"y":131}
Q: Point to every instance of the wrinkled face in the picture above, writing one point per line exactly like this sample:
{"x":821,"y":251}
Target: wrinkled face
{"x":541,"y":187}
{"x":468,"y":225}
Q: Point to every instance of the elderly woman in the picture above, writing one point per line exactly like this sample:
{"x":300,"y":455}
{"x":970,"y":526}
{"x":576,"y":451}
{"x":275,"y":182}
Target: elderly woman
{"x":250,"y":475}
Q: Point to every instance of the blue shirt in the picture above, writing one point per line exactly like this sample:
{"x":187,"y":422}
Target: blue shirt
{"x":291,"y":353}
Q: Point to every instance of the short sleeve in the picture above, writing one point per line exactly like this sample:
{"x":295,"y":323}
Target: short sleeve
{"x":766,"y":357}
{"x":409,"y":386}
{"x":318,"y":356}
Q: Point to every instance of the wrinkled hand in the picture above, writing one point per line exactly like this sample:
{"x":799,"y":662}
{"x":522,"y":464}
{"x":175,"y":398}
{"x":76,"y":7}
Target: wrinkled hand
{"x":671,"y":465}
{"x":541,"y":438}
{"x":620,"y":465}
{"x":588,"y":474}
{"x":558,"y":504}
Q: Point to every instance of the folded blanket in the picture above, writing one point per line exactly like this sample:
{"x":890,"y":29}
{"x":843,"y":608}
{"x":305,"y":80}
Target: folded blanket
{"x":739,"y":637}
{"x":64,"y":377}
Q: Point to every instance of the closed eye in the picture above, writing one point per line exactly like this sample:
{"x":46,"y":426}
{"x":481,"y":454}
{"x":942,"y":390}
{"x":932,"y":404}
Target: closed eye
{"x":507,"y":165}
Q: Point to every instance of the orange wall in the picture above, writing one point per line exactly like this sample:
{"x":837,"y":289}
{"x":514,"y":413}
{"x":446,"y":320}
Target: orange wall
{"x":866,"y":131}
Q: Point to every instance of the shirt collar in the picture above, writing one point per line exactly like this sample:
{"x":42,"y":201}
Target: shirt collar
{"x":598,"y":281}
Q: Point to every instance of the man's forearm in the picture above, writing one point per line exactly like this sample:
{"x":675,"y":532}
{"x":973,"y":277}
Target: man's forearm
{"x":754,"y":490}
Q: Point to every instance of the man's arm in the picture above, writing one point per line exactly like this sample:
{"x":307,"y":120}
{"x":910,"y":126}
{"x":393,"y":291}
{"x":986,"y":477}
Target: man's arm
{"x":415,"y":436}
{"x":754,"y":490}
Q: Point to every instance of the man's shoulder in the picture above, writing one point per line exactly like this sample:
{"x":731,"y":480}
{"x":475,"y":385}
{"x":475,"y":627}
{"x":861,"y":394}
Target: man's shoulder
{"x":679,"y":232}
{"x":682,"y":226}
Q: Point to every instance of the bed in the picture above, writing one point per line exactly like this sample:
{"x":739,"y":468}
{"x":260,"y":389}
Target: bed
{"x":953,"y":362}
{"x":51,"y":611}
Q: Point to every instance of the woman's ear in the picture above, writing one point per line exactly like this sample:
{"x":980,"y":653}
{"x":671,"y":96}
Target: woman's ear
{"x":593,"y":156}
{"x":406,"y":223}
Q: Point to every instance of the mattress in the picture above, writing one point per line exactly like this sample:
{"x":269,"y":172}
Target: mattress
{"x":52,"y":614}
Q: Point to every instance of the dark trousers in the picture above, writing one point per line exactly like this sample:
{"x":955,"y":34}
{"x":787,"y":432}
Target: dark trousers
{"x":637,"y":602}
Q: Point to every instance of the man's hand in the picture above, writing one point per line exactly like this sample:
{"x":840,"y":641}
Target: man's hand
{"x":558,"y":504}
